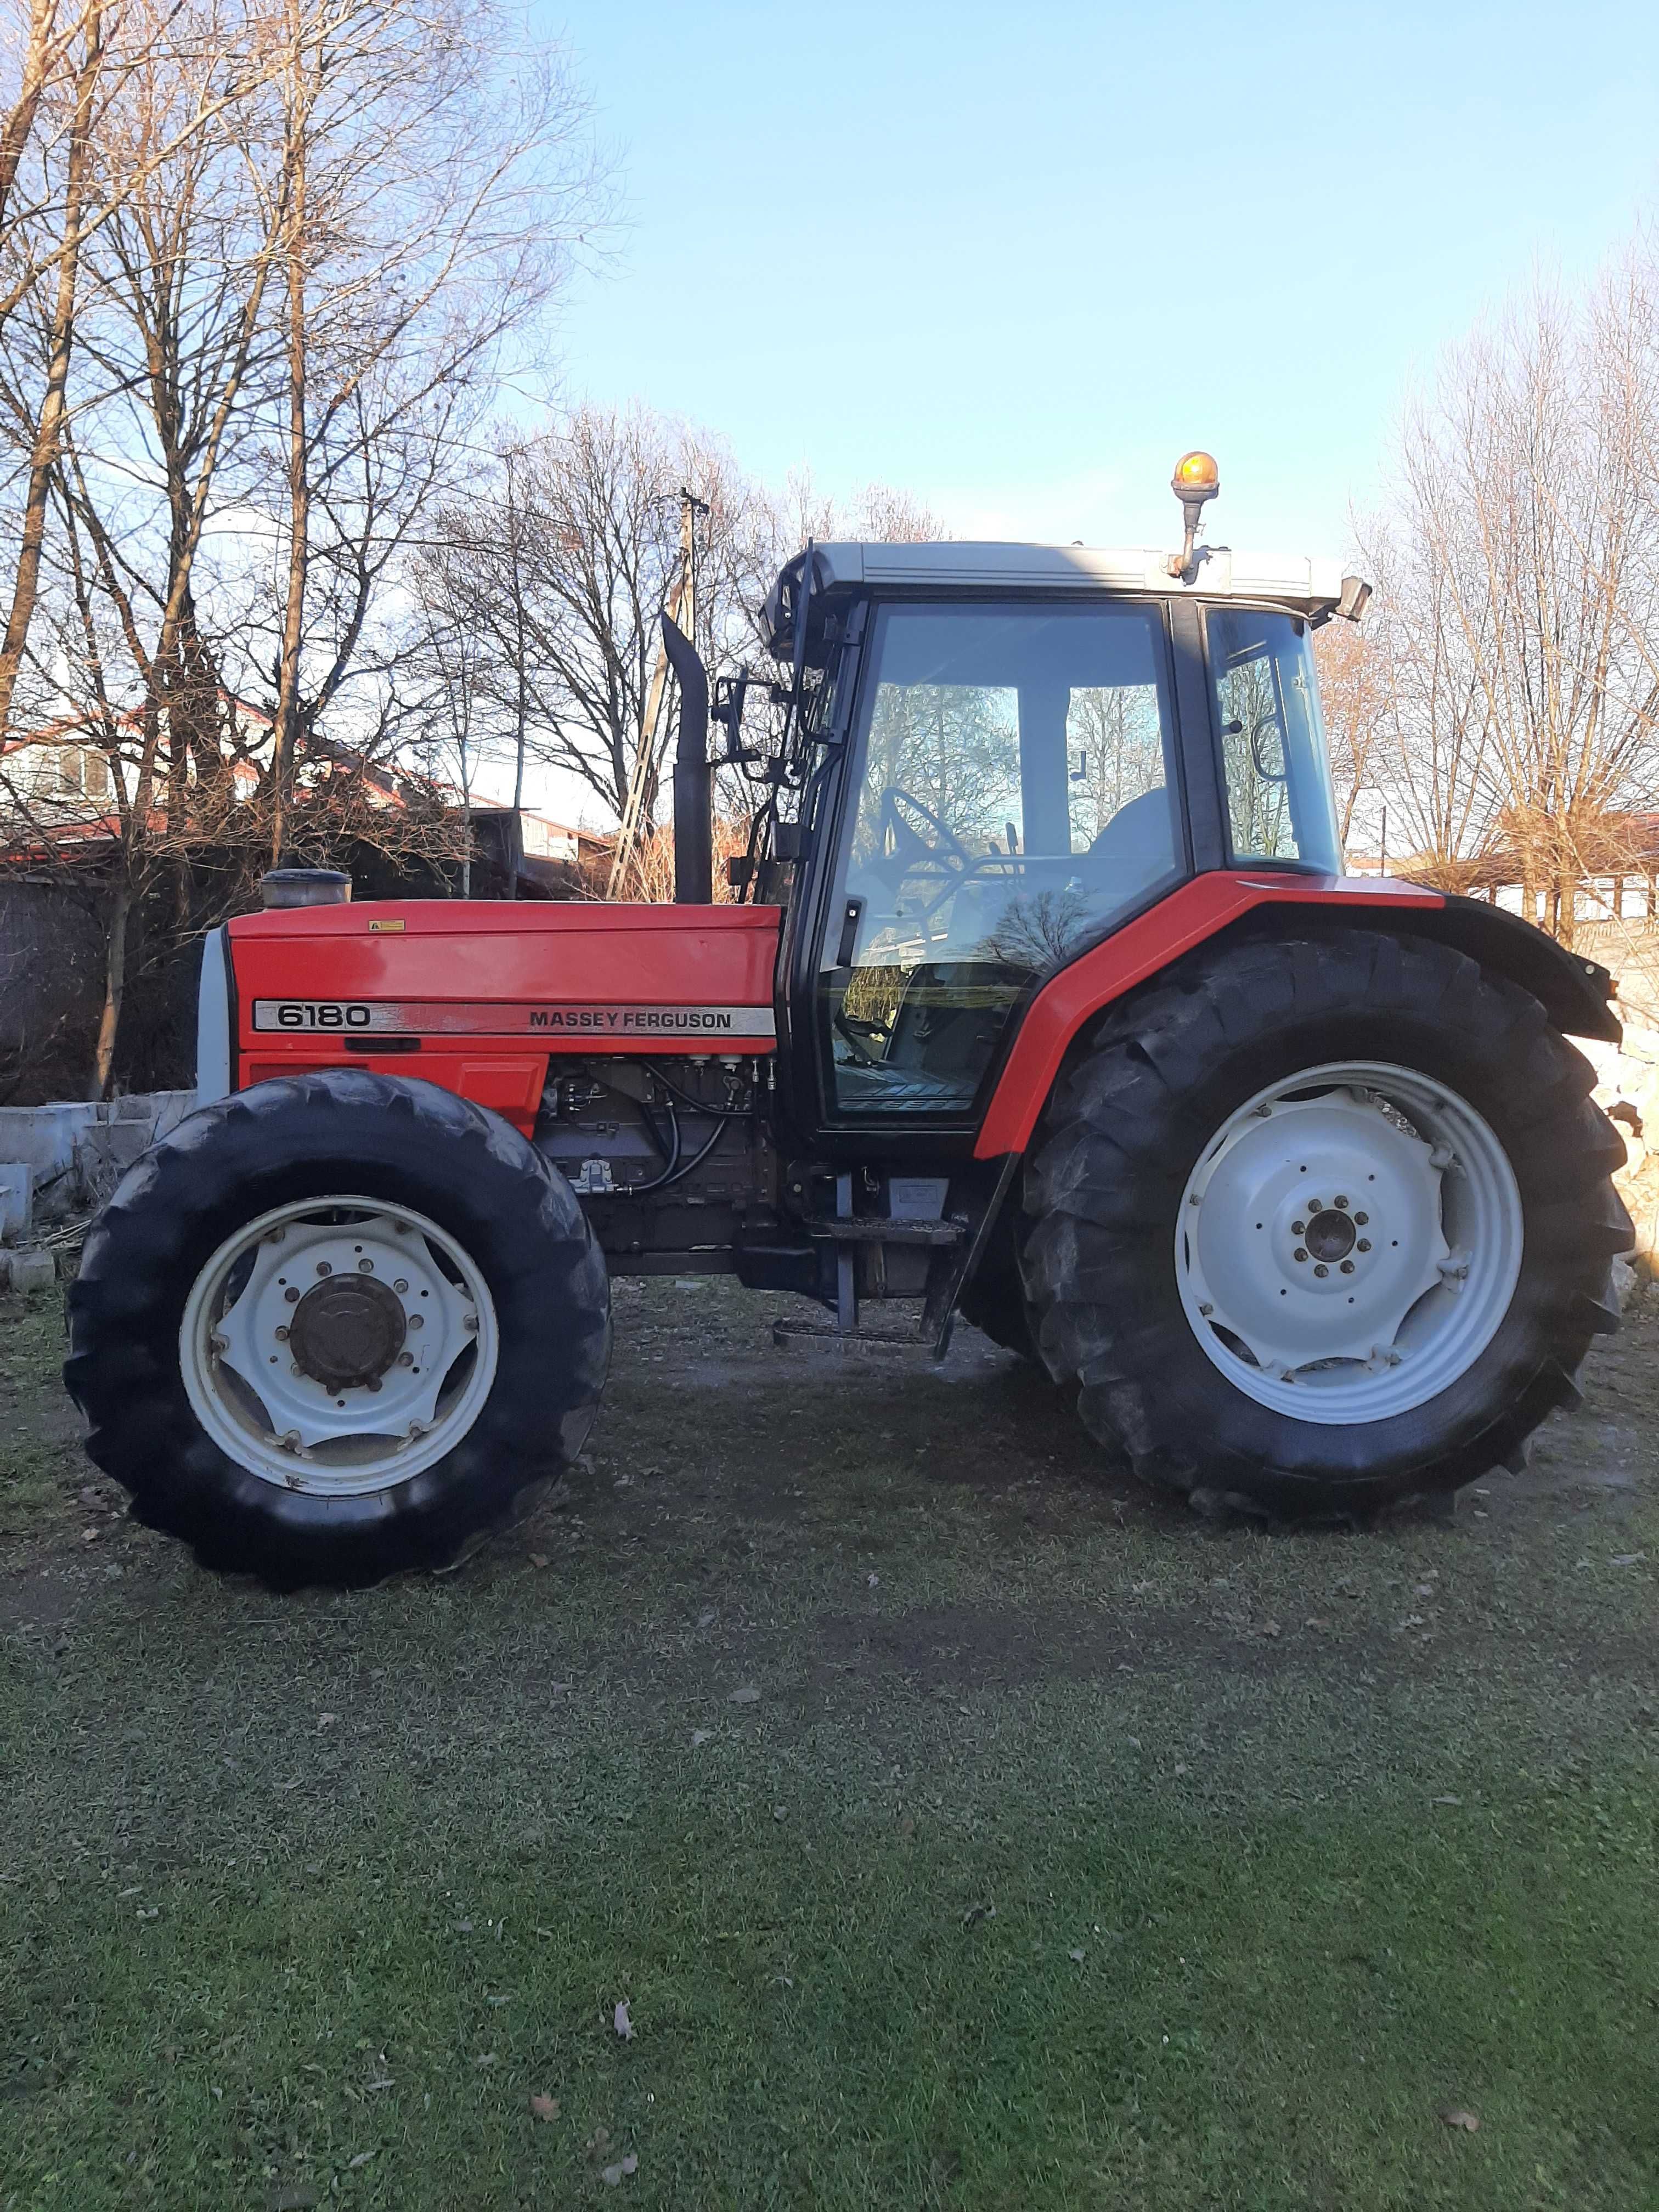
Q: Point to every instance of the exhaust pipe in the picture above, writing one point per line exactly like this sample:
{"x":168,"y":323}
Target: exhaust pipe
{"x":694,"y":775}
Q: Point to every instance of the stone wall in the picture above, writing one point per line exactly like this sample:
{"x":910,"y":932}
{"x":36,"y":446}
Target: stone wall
{"x":57,"y":1161}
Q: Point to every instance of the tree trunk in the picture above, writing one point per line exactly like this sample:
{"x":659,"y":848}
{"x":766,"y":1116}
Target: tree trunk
{"x":115,"y":980}
{"x":48,"y":438}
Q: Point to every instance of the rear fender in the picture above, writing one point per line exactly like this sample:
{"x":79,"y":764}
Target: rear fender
{"x":1573,"y":991}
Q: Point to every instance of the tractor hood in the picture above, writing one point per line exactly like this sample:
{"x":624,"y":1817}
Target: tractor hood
{"x":474,"y":994}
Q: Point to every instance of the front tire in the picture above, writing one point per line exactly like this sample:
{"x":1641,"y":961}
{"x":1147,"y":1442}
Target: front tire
{"x":1233,"y":1337}
{"x":338,"y":1326}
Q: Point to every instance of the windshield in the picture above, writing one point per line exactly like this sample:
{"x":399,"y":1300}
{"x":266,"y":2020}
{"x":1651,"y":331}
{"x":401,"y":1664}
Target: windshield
{"x":1280,"y":803}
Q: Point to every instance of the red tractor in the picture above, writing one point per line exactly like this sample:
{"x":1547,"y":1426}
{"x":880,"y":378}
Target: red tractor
{"x":1044,"y":1001}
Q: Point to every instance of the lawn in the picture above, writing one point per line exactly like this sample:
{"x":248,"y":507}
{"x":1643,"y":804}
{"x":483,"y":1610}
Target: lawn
{"x":958,"y":1825}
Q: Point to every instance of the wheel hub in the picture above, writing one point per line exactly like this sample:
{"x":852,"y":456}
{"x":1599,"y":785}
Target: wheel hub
{"x":1330,"y":1236}
{"x":347,"y":1332}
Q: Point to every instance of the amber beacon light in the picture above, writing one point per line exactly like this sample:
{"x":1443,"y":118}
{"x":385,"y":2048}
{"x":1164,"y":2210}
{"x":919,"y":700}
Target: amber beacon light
{"x":1196,"y":479}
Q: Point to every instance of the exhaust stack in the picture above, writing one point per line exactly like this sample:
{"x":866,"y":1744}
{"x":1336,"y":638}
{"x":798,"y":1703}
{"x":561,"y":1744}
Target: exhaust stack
{"x":694,"y":775}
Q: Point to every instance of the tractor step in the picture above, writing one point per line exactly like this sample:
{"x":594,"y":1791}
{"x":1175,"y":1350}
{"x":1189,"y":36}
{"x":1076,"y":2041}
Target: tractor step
{"x":862,"y":1229}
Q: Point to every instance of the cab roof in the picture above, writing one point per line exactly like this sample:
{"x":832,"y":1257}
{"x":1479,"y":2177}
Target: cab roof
{"x":1304,"y":586}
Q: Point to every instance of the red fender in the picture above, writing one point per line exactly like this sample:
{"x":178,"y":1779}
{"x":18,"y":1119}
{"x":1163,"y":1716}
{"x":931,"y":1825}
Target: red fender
{"x":1187,"y":917}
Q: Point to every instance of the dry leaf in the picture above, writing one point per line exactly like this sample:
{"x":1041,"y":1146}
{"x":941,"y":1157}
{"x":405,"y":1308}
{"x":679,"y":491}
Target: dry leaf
{"x":1466,"y":2121}
{"x":621,"y":2022}
{"x":613,"y":2174}
{"x":538,"y":1558}
{"x":326,"y":1720}
{"x":362,"y":2159}
{"x":748,"y":1695}
{"x":976,"y":1912}
{"x":1078,"y":1955}
{"x":544,"y":2108}
{"x":699,"y":1736}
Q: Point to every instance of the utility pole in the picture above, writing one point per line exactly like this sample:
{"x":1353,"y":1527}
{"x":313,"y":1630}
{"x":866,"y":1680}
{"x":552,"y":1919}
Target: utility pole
{"x":682,"y":611}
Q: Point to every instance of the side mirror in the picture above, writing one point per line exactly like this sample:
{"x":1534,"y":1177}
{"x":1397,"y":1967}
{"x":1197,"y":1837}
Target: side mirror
{"x":1355,"y":596}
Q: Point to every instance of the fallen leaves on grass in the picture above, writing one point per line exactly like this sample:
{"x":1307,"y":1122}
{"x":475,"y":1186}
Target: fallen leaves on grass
{"x":976,"y":1913}
{"x":748,"y":1695}
{"x":613,"y":2174}
{"x":537,"y":1558}
{"x":621,"y":2022}
{"x":701,"y":1737}
{"x":544,"y":2108}
{"x":1456,"y":2118}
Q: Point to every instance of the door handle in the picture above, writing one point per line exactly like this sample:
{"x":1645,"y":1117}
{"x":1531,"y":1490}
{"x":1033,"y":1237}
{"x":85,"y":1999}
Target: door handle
{"x":851,"y":914}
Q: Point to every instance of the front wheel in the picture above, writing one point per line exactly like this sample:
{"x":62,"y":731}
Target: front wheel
{"x":1319,"y":1225}
{"x":338,"y":1326}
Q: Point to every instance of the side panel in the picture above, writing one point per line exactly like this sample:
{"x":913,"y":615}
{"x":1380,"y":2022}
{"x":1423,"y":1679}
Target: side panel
{"x":475,"y":996}
{"x":1196,"y":911}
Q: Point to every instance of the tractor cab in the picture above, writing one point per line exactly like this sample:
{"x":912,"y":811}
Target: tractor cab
{"x":1006,"y":753}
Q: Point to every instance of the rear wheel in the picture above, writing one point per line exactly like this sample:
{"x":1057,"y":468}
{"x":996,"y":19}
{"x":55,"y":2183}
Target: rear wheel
{"x":338,"y":1326}
{"x":1319,"y":1225}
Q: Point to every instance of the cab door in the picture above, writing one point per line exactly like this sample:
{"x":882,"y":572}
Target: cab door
{"x":1010,"y":796}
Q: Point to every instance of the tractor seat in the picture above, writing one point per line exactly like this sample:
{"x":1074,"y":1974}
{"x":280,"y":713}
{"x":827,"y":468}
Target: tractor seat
{"x":1141,"y":831}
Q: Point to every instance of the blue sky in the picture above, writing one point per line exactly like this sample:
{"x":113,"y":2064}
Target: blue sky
{"x":1016,"y":260}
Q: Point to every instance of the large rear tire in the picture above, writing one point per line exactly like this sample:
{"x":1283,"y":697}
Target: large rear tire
{"x":338,"y":1326}
{"x":1247,"y":1335}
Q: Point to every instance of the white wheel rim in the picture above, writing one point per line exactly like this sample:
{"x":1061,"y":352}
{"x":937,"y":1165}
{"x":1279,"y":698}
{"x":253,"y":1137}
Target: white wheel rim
{"x":398,"y":1339}
{"x":1353,"y":1154}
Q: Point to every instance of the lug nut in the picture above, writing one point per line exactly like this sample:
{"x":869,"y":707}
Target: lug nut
{"x":405,"y":1359}
{"x":1339,"y":1201}
{"x":291,"y":1295}
{"x":1362,"y":1219}
{"x":1364,"y":1244}
{"x":417,"y":1320}
{"x":400,"y":1285}
{"x":470,"y":1324}
{"x":1206,"y":1311}
{"x":1298,"y":1229}
{"x":1322,"y":1270}
{"x":322,"y":1268}
{"x":1298,"y":1254}
{"x":1347,"y":1266}
{"x":373,"y":1381}
{"x":364,"y":1267}
{"x":281,"y":1333}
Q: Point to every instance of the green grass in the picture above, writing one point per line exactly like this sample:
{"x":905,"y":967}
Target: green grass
{"x":308,"y":1900}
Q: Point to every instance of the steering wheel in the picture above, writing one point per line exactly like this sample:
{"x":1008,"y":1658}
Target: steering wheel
{"x":901,"y":811}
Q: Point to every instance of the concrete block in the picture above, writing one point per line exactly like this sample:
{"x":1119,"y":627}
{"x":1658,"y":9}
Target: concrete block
{"x":17,"y":1199}
{"x":31,"y":1271}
